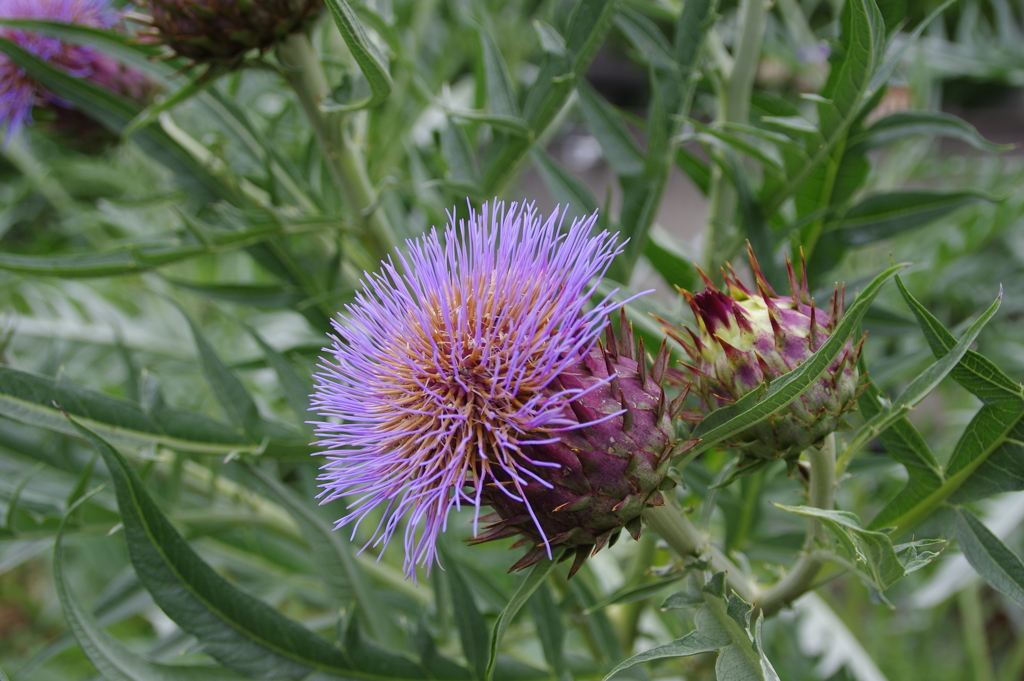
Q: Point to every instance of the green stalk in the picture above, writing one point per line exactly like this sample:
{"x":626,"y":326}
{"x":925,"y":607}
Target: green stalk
{"x":820,"y":495}
{"x":734,"y":108}
{"x":672,"y":525}
{"x":973,"y":622}
{"x":345,"y":160}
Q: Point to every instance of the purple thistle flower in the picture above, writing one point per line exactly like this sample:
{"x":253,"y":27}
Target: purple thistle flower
{"x":442,"y":370}
{"x":19,"y":92}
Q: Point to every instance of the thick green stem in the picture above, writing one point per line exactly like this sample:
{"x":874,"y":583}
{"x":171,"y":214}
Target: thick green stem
{"x":972,"y":621}
{"x":735,"y":108}
{"x":344,"y":158}
{"x":821,"y":494}
{"x":672,"y":525}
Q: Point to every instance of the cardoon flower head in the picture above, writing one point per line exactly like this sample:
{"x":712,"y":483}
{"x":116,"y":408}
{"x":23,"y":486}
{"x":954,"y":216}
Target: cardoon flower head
{"x":746,"y":337}
{"x":466,"y":374}
{"x":19,"y":93}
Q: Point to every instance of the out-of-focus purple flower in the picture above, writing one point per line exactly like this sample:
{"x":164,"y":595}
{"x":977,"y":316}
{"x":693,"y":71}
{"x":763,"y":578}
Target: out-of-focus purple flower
{"x":19,"y":92}
{"x":444,"y":371}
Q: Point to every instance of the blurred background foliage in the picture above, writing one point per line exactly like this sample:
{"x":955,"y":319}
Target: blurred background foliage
{"x":189,"y":267}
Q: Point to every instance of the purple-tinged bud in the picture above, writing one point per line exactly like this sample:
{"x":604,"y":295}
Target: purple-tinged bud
{"x":747,"y":337}
{"x":222,"y":31}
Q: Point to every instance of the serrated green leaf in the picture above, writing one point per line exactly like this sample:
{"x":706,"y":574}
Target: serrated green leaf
{"x":729,"y":421}
{"x":905,"y":444}
{"x":989,"y":456}
{"x":30,"y":398}
{"x":995,"y":562}
{"x":860,"y":51}
{"x":709,"y":636}
{"x":239,"y":630}
{"x":370,"y":61}
{"x":920,"y":387}
{"x":535,"y":579}
{"x":868,"y":553}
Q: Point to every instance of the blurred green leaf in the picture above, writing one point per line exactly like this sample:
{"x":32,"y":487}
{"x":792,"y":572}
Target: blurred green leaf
{"x":906,"y":124}
{"x":533,"y":580}
{"x":270,"y":296}
{"x":674,"y":267}
{"x":367,"y":56}
{"x":620,"y":149}
{"x":458,"y":157}
{"x":994,"y":561}
{"x":881,"y":216}
{"x":501,"y":97}
{"x":588,"y":25}
{"x":547,"y":617}
{"x":233,"y":397}
{"x":113,"y":112}
{"x":565,"y":188}
{"x":471,"y":624}
{"x":30,"y":398}
{"x":334,"y":559}
{"x":696,"y":168}
{"x":637,"y":593}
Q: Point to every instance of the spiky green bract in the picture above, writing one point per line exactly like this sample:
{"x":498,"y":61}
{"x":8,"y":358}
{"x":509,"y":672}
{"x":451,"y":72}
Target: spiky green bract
{"x":746,"y":338}
{"x":609,"y":469}
{"x":222,"y":31}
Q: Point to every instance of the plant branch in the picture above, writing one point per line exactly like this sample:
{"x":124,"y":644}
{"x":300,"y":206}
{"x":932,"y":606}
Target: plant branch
{"x":344,"y":159}
{"x":820,"y":495}
{"x":672,"y":525}
{"x":734,"y":108}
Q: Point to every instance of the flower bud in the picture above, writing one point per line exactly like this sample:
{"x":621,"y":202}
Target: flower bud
{"x":746,"y":338}
{"x":222,"y":31}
